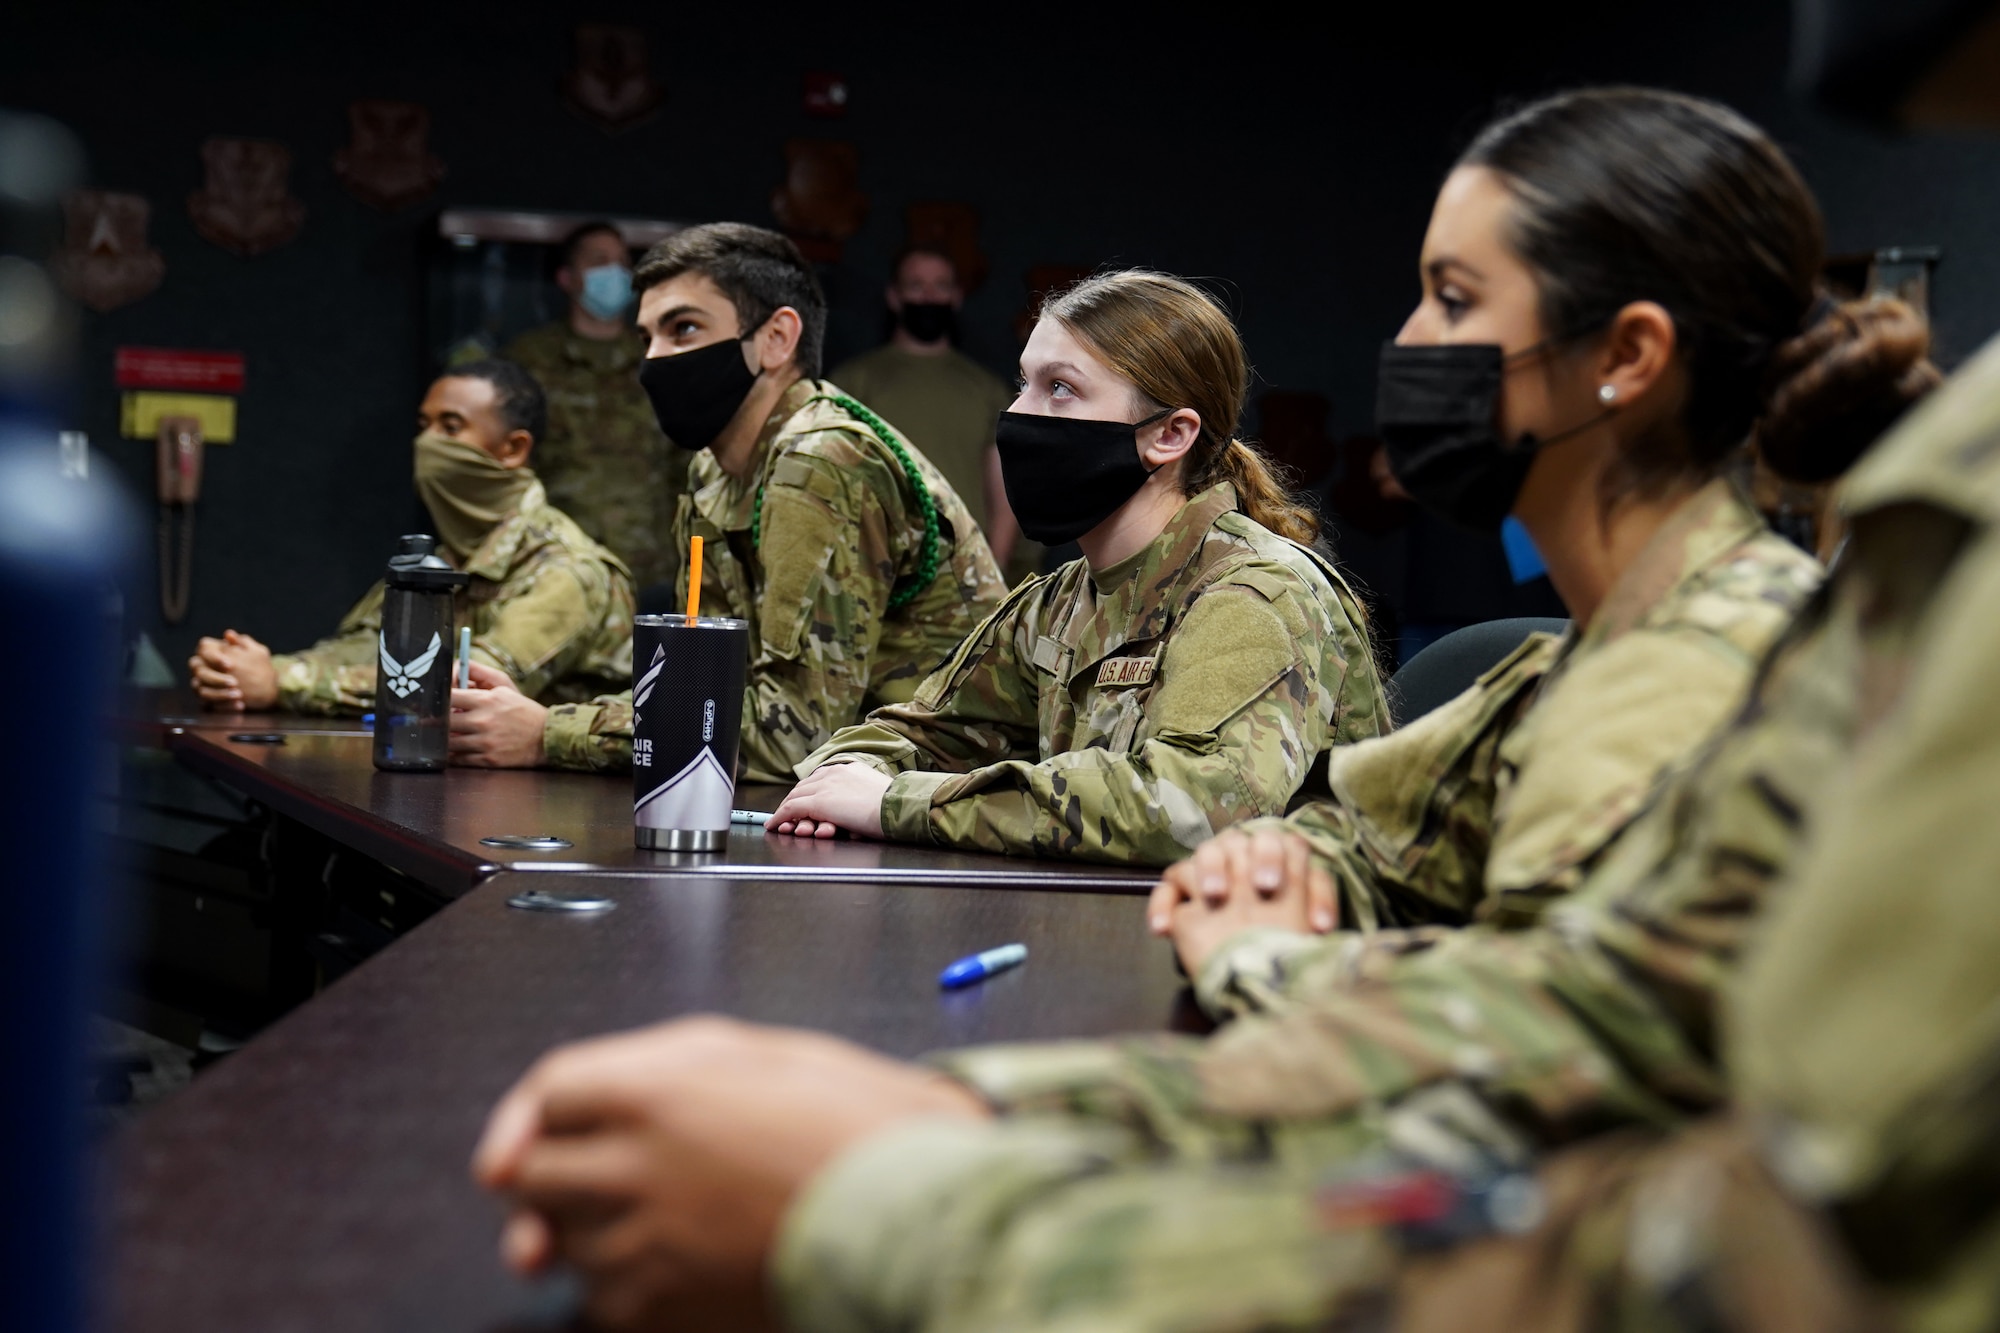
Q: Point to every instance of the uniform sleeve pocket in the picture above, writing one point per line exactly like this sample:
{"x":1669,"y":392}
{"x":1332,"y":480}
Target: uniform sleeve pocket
{"x":1225,"y":654}
{"x":799,"y":534}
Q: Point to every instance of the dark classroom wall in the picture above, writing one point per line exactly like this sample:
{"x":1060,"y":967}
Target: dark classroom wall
{"x":1292,"y":163}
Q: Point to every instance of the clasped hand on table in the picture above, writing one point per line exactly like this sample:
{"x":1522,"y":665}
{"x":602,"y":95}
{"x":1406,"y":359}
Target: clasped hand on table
{"x":233,"y":674}
{"x":1236,"y":881}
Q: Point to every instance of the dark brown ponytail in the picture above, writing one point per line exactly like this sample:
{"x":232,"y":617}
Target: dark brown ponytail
{"x":1260,"y":490}
{"x":1836,"y":387}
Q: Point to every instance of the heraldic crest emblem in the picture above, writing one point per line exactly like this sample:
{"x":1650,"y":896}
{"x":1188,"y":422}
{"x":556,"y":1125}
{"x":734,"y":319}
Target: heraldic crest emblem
{"x":246,"y":207}
{"x":105,"y":260}
{"x":611,"y":84}
{"x":389,"y":164}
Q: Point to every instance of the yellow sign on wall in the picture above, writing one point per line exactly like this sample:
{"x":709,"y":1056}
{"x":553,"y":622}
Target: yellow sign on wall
{"x":139,"y":414}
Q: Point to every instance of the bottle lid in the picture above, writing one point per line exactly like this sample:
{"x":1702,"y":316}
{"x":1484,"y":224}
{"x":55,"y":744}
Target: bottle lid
{"x":417,"y":564}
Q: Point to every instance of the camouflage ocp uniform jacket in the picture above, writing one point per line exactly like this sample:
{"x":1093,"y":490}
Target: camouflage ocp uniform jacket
{"x":1502,"y":799}
{"x":840,"y":530}
{"x":547,"y":605}
{"x":1126,"y":715}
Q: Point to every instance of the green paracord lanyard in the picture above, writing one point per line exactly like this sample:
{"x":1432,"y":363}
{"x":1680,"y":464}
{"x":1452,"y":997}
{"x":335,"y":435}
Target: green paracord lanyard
{"x":927,"y":556}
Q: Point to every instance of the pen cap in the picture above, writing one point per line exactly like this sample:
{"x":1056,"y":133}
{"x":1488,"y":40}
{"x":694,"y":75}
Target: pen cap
{"x":961,"y":973}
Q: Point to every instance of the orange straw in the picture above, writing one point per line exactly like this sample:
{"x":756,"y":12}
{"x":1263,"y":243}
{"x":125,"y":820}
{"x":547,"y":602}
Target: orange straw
{"x":694,"y":580}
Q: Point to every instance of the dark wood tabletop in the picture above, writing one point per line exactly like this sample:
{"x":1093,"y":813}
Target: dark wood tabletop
{"x":429,"y":825}
{"x":149,"y":716}
{"x":316,"y":1179}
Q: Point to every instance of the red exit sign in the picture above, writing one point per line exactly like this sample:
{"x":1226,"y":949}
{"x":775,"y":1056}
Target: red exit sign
{"x":176,"y":368}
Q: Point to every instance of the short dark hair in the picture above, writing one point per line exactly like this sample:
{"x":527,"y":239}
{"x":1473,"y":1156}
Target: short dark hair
{"x":517,"y":395}
{"x":757,"y":269}
{"x":920,"y":248}
{"x":566,"y":248}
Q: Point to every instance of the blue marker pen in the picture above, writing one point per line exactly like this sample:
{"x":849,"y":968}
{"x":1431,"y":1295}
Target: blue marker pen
{"x":982,"y":965}
{"x":757,"y":817}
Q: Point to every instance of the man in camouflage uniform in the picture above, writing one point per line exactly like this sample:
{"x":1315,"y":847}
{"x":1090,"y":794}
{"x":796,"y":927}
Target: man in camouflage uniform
{"x":604,"y":460}
{"x":812,"y":516}
{"x":548,"y":607}
{"x":1125,"y":716}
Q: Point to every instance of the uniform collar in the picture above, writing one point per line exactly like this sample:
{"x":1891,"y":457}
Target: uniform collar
{"x":726,"y":501}
{"x":496,"y":555}
{"x":1713,"y":522}
{"x":1136,"y":597}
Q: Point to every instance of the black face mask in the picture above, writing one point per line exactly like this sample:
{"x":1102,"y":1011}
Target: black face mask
{"x":695,"y":394}
{"x":1437,"y":409}
{"x":1065,"y":475}
{"x":927,"y":321}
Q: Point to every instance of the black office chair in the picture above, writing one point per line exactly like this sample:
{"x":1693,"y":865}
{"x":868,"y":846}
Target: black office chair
{"x":1447,"y":668}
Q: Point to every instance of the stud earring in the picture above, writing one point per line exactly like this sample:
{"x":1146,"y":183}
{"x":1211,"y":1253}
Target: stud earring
{"x":1606,"y":393}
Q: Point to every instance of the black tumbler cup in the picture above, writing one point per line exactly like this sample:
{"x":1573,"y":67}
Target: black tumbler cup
{"x":687,"y":709}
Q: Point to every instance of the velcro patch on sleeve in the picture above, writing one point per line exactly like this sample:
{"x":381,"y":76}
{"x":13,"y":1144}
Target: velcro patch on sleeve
{"x":806,"y":474}
{"x":1230,"y":648}
{"x":800,"y":537}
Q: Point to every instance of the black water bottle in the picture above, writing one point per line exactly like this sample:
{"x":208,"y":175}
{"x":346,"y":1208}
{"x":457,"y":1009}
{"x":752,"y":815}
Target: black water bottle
{"x":413,"y":661}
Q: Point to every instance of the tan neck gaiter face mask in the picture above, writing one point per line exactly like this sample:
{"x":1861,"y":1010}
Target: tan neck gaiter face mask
{"x":466,"y":491}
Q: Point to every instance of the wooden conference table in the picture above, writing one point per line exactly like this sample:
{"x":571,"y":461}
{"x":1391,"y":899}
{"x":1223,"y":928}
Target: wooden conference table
{"x":430,"y":825}
{"x":316,"y":1178}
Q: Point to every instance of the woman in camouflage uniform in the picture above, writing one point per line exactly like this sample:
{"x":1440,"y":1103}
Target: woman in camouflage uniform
{"x":1187,"y":673}
{"x":1600,"y":329}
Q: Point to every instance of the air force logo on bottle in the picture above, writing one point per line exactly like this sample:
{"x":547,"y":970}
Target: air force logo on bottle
{"x":406,"y":680}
